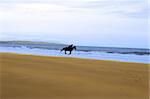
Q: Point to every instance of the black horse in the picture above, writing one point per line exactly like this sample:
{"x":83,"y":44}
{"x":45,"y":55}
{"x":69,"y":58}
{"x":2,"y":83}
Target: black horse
{"x":70,"y":49}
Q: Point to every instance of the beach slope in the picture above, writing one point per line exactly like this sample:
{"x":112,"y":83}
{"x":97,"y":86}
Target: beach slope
{"x":41,"y":77}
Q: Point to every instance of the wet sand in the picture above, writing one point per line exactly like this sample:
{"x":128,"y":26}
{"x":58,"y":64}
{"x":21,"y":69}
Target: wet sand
{"x":42,"y":77}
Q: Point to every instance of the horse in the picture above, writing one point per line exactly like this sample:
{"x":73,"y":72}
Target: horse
{"x":68,"y":49}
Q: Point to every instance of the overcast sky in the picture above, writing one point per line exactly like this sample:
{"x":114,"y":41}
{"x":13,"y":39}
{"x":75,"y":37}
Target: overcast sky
{"x":114,"y":23}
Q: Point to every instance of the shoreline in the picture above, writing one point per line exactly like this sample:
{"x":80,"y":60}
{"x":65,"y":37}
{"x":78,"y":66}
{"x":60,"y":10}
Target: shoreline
{"x":80,"y":54}
{"x":72,"y":57}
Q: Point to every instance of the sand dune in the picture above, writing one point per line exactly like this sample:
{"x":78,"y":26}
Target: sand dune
{"x":40,"y":77}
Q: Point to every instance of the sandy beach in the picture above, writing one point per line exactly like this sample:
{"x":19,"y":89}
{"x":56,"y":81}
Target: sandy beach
{"x":43,"y":77}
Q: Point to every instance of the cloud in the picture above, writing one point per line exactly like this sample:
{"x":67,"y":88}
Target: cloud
{"x":121,"y":8}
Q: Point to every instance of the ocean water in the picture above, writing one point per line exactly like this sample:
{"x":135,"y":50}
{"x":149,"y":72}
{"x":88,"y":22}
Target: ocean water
{"x":99,"y":53}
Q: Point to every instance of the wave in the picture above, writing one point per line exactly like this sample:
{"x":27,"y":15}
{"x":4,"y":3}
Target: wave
{"x":79,"y":54}
{"x":57,"y":46}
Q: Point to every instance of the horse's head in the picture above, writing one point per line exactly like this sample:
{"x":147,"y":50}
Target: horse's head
{"x":74,"y":47}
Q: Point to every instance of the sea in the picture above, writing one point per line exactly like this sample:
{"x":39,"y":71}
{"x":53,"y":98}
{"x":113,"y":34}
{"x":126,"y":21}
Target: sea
{"x":138,"y":55}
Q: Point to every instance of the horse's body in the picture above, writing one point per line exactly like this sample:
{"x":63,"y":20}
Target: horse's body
{"x":70,"y":49}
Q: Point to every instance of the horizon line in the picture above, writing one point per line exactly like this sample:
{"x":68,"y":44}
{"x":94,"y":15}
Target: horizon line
{"x":57,"y":42}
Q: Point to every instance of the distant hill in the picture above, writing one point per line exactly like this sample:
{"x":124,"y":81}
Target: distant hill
{"x":30,"y":43}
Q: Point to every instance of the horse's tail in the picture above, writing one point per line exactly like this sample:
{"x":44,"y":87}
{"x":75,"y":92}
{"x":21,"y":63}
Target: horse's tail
{"x":61,"y":50}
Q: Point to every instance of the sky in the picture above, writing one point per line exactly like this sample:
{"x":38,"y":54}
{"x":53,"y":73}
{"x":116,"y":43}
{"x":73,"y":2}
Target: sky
{"x":111,"y":23}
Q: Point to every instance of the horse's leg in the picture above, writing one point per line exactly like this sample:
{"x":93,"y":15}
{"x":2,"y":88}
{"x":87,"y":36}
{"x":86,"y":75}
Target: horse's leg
{"x":70,"y":52}
{"x":65,"y":52}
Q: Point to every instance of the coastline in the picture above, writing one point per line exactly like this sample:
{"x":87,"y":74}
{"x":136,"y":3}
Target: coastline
{"x":69,"y":56}
{"x":80,"y":54}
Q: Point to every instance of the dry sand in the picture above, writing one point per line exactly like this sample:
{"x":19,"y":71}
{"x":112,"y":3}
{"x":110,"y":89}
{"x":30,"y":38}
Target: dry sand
{"x":40,"y":77}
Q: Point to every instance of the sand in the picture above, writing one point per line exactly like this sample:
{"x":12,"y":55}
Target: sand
{"x":41,"y":77}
